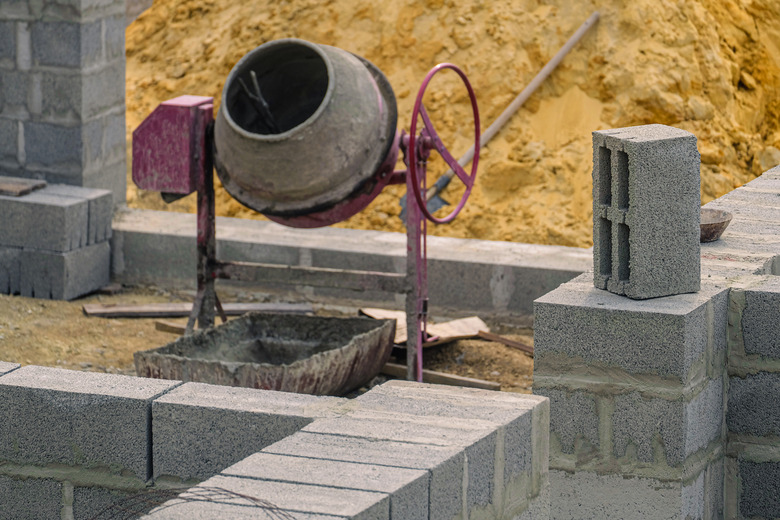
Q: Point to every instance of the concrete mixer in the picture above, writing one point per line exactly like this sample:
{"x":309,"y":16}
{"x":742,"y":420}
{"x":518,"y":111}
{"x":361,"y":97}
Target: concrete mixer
{"x":306,"y":135}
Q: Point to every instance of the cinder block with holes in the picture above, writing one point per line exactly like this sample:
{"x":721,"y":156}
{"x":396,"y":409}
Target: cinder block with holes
{"x":646,"y":211}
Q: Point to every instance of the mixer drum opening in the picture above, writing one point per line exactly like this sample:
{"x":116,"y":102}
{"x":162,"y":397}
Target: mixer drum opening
{"x":302,"y":127}
{"x":278,"y":90}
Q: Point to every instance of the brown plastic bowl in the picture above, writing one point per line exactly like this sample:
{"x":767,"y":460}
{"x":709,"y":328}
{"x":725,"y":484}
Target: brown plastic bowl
{"x":713,"y":223}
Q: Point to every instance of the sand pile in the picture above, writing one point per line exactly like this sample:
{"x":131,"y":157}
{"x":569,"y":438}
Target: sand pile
{"x":711,"y":67}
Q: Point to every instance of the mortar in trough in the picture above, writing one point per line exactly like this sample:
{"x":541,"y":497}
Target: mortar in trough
{"x":289,"y":353}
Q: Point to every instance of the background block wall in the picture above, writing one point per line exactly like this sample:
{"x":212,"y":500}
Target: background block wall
{"x":62,"y":92}
{"x":646,"y":211}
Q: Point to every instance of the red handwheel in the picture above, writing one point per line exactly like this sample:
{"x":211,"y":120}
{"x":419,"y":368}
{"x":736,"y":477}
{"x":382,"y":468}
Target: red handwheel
{"x":429,"y":139}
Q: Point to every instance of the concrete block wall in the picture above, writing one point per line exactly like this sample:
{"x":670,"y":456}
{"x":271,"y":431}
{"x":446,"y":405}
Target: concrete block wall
{"x":75,"y":444}
{"x":402,"y":451}
{"x":668,"y":406}
{"x":495,"y":279}
{"x":55,"y":242}
{"x":62,"y":92}
{"x":646,"y":211}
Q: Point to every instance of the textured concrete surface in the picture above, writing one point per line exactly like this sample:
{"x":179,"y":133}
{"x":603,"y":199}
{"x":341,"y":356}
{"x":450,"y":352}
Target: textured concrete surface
{"x":662,"y":336}
{"x":10,"y":270}
{"x":287,"y":497}
{"x":407,"y":488}
{"x":30,"y":499}
{"x":200,"y":429}
{"x":445,"y":464}
{"x":753,"y":405}
{"x":56,"y":416}
{"x":100,"y":208}
{"x":6,"y":367}
{"x":646,"y":211}
{"x":90,"y":502}
{"x":760,"y":324}
{"x":43,"y":222}
{"x":64,"y":276}
{"x":760,"y":484}
{"x":574,"y":419}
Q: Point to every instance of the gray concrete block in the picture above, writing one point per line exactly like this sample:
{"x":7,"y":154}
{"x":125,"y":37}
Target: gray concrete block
{"x":90,"y":502}
{"x":6,"y":367}
{"x":44,"y":222}
{"x":111,"y":177}
{"x":9,"y":137}
{"x":283,"y":496}
{"x":760,"y":484}
{"x":56,"y":416}
{"x":200,"y":429}
{"x":14,"y":88}
{"x":114,"y":138}
{"x":753,"y":407}
{"x":30,"y":499}
{"x":574,"y":419}
{"x":684,"y":428}
{"x":115,"y":37}
{"x":184,"y":509}
{"x":104,"y":89}
{"x":407,"y":488}
{"x":100,"y":208}
{"x":760,"y":326}
{"x":646,"y":211}
{"x":662,"y":336}
{"x":10,"y":270}
{"x":477,"y":438}
{"x":7,"y":41}
{"x":60,"y":96}
{"x":66,"y":44}
{"x":65,"y":276}
{"x":445,"y":464}
{"x":53,"y":145}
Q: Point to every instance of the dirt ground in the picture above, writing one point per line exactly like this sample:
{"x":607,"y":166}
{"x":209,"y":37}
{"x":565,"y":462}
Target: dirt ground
{"x":59,"y":334}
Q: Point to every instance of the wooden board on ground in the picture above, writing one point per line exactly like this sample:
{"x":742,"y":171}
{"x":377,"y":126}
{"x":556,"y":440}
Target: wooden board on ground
{"x":440,"y":378}
{"x":528,"y":349}
{"x":18,"y":186}
{"x":463,"y":328}
{"x":179,"y":310}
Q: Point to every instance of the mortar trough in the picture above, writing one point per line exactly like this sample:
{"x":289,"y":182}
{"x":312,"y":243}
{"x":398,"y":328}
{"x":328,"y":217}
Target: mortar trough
{"x":289,"y":353}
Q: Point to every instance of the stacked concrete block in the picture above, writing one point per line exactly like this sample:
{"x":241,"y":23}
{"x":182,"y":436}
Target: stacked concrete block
{"x":753,"y":416}
{"x":62,"y":73}
{"x":636,"y":394}
{"x":646,"y":211}
{"x":54,"y":242}
{"x":200,"y":429}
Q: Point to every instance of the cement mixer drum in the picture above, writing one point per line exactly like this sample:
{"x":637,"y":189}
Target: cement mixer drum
{"x":301,"y":127}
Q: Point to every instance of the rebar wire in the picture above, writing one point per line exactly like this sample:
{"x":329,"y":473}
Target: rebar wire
{"x":259,"y":102}
{"x":142,"y":503}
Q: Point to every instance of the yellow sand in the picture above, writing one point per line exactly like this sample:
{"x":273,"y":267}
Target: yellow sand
{"x":711,"y":67}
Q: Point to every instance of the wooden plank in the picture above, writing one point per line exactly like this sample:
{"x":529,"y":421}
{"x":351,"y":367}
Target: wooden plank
{"x":445,"y":332}
{"x":170,"y":326}
{"x":182,"y":310}
{"x":506,"y":341}
{"x":440,"y":378}
{"x":18,"y":186}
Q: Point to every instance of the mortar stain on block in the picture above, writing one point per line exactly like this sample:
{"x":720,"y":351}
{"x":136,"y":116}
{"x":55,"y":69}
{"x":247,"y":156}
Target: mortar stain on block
{"x":284,"y":497}
{"x":65,"y":276}
{"x":646,"y":211}
{"x":100,"y":208}
{"x":445,"y":465}
{"x":406,"y":488}
{"x":200,"y":429}
{"x":10,"y":270}
{"x":30,"y":498}
{"x":82,"y":419}
{"x":574,"y":419}
{"x":43,"y":222}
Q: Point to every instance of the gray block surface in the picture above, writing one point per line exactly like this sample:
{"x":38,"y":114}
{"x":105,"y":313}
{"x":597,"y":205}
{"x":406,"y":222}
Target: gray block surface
{"x":753,"y":405}
{"x":445,"y":464}
{"x":284,"y":496}
{"x":43,"y":222}
{"x":646,"y":211}
{"x":8,"y":367}
{"x":100,"y":208}
{"x":89,"y":502}
{"x":65,"y":276}
{"x":407,"y":488}
{"x":662,"y":336}
{"x":56,"y":416}
{"x":201,"y":429}
{"x":760,"y":484}
{"x":760,"y":323}
{"x":574,"y":419}
{"x":10,"y":270}
{"x":30,"y":499}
